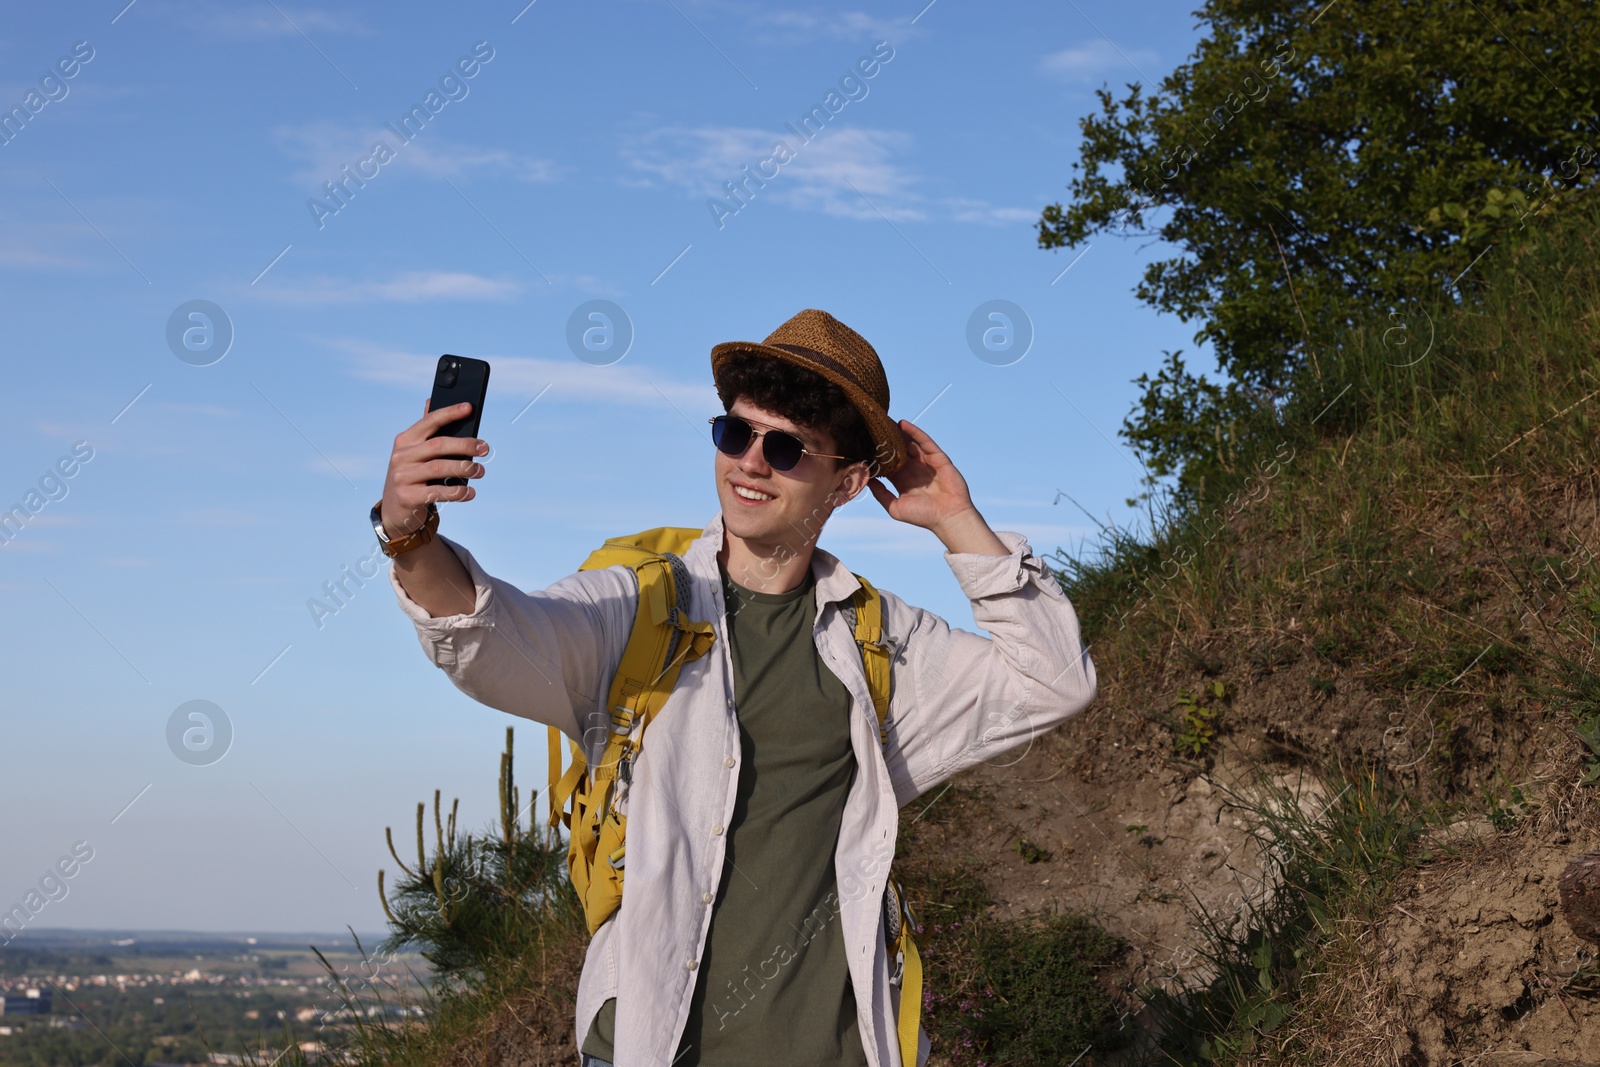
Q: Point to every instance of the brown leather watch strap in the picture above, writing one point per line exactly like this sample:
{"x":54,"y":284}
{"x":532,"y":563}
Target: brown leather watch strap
{"x":395,"y":546}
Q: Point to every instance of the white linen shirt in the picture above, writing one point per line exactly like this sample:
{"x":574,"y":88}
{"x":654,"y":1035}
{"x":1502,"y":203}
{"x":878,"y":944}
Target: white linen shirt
{"x":956,"y":699}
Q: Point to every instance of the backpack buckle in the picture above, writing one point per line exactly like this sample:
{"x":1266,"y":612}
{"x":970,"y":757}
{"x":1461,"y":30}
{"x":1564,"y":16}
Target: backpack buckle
{"x":899,"y":969}
{"x":621,"y":720}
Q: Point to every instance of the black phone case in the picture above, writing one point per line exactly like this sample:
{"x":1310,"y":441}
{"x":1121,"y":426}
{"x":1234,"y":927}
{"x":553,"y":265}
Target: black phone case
{"x":455,"y":379}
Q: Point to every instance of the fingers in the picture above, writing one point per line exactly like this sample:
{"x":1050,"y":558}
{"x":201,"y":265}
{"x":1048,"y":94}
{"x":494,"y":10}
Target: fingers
{"x":418,"y":473}
{"x":425,"y":494}
{"x":919,"y":438}
{"x":405,"y":508}
{"x":419,"y":457}
{"x":430,"y":447}
{"x":446,"y":493}
{"x":881,"y":493}
{"x":430,"y":422}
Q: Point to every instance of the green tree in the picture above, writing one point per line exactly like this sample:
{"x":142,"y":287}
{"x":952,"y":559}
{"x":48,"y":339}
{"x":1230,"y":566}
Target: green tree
{"x":1320,"y":166}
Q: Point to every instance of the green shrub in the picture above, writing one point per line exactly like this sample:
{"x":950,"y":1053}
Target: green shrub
{"x":1196,"y":726}
{"x":481,"y":898}
{"x":494,"y":914}
{"x":1044,"y":1002}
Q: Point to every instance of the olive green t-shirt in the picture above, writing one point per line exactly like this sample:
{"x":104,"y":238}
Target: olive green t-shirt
{"x":773,"y":985}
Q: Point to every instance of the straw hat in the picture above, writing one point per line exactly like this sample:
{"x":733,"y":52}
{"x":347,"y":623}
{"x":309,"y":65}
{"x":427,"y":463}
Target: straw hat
{"x":819,"y":342}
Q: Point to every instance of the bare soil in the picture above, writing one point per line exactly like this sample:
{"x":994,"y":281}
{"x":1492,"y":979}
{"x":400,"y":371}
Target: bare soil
{"x":1470,"y":965}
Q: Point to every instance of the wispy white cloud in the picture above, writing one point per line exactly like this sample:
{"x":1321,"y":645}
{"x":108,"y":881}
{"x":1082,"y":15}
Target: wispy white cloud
{"x":323,"y":148}
{"x":462,"y":162}
{"x":23,"y":543}
{"x":848,"y":173}
{"x":64,"y":432}
{"x":36,"y":246}
{"x":1097,"y":60}
{"x":256,"y":22}
{"x":701,"y":159}
{"x":829,"y":171}
{"x":792,"y":26}
{"x":408,"y":288}
{"x":694,"y":158}
{"x":964,"y":209}
{"x":761,"y":23}
{"x":57,"y":520}
{"x":567,"y":377}
{"x":347,"y":465}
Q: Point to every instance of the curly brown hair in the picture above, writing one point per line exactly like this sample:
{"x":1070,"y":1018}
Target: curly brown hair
{"x":803,"y":397}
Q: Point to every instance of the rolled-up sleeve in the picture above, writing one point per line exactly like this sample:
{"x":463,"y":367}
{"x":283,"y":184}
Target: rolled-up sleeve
{"x":546,"y":655}
{"x":959,"y":698}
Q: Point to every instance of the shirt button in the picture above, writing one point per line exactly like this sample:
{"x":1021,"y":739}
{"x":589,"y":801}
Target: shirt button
{"x":708,"y":898}
{"x":717,"y":830}
{"x":688,"y":965}
{"x":728,"y":762}
{"x":730,"y":703}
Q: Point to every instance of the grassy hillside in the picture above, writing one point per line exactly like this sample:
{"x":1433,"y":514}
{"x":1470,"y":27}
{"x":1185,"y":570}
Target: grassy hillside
{"x":1395,"y":597}
{"x":1399,"y":592}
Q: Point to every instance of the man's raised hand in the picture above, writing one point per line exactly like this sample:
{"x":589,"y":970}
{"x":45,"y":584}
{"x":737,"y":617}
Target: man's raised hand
{"x":934,"y":495}
{"x":931,"y":489}
{"x":417,"y":458}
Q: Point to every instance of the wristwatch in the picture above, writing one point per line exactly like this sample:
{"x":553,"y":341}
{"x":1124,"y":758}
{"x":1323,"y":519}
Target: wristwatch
{"x":415,"y":539}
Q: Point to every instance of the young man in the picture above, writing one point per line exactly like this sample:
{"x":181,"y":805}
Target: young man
{"x":762,"y":817}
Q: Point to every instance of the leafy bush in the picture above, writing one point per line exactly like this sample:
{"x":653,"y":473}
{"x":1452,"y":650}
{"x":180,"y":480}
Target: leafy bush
{"x":1044,"y":1003}
{"x":1196,"y":727}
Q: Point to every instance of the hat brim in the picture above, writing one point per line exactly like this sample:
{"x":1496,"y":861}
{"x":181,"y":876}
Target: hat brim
{"x":889,"y":441}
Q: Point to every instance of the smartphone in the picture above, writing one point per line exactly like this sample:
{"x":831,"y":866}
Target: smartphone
{"x":459,"y":378}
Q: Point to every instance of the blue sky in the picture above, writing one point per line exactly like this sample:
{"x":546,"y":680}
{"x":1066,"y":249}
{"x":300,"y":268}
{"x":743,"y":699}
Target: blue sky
{"x":183,"y":160}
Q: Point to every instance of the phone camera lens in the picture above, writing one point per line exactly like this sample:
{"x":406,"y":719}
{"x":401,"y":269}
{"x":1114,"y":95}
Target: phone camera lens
{"x":448,"y":377}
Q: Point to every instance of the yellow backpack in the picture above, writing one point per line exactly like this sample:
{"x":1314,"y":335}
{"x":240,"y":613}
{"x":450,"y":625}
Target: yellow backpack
{"x":663,"y":639}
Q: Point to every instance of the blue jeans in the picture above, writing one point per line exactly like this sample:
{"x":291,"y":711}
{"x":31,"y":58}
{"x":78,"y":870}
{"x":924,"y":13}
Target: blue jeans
{"x":593,"y":1061}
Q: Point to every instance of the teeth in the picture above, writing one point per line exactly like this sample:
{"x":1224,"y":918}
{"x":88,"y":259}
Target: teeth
{"x":750,"y":494}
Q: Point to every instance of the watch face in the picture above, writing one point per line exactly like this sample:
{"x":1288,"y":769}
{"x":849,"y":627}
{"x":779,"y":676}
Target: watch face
{"x":377,"y":522}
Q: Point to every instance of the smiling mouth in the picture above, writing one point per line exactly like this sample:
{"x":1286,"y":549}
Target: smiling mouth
{"x":751,"y":495}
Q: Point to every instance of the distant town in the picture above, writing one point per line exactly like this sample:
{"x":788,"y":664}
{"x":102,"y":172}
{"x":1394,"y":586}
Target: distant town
{"x":187,"y":999}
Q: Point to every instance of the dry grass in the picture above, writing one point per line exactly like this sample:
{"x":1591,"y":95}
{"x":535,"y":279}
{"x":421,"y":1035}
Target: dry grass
{"x":1360,"y":1011}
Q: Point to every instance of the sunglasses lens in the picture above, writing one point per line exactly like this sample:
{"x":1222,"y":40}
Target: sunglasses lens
{"x":730,"y":434}
{"x":733,"y":435}
{"x":782,"y":450}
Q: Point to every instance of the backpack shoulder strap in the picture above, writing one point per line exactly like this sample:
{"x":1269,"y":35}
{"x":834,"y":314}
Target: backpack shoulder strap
{"x":654,"y":648}
{"x":874,"y":650}
{"x":663,"y":637}
{"x":629,"y":550}
{"x":902,"y":924}
{"x":633,"y":548}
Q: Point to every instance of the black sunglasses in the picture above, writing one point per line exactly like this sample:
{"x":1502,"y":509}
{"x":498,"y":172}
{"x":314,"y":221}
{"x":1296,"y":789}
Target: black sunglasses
{"x":732,"y":435}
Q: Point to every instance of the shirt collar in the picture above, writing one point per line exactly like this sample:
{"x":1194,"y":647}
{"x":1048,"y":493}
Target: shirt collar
{"x":835,"y":583}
